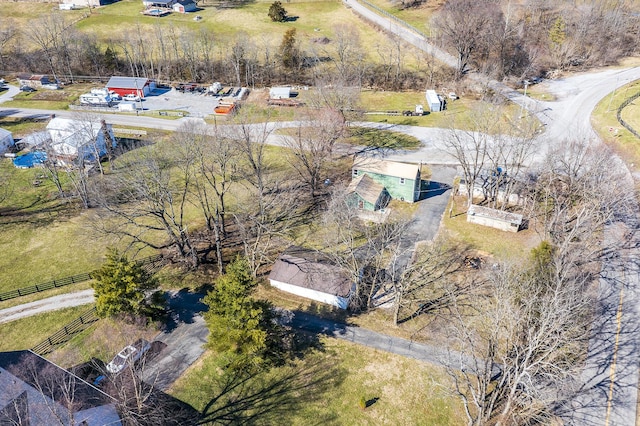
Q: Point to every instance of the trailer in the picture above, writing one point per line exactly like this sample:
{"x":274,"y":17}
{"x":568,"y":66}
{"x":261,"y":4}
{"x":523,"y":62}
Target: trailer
{"x":93,"y":99}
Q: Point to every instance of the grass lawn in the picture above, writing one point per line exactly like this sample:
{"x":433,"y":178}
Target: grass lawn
{"x":41,"y":236}
{"x":314,"y":19}
{"x":22,"y":126}
{"x":27,"y":332}
{"x":325,"y":387}
{"x":103,"y":340}
{"x":486,"y":239}
{"x":611,"y":131}
{"x":50,"y":99}
{"x":419,"y":17}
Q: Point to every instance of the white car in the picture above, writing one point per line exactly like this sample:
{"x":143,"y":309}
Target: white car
{"x":131,"y":98}
{"x":128,"y":356}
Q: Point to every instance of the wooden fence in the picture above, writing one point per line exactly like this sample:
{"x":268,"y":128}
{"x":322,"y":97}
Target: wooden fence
{"x":67,"y":332}
{"x":151,"y":264}
{"x":619,"y":113}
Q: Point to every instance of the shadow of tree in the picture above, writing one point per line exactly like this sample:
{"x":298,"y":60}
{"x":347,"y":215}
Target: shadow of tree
{"x":268,"y":397}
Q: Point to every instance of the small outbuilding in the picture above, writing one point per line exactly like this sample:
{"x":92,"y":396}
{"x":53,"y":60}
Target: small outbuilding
{"x":185,"y":6}
{"x":131,"y":86}
{"x":38,"y":81}
{"x":435,"y":102}
{"x":367,"y":194}
{"x":499,"y":219}
{"x":310,"y":274}
{"x":401,"y":180}
{"x":6,"y":140}
{"x":280,"y":92}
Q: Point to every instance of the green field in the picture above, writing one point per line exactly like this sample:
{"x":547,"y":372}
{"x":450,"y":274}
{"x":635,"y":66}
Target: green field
{"x":28,"y":332}
{"x":325,"y":387}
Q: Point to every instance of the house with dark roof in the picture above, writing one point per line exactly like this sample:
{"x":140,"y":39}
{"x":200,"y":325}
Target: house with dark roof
{"x":310,"y":274}
{"x":34,"y":391}
{"x":401,"y":180}
{"x":131,"y":85}
{"x":185,"y":6}
{"x":38,"y":81}
{"x":367,"y":194}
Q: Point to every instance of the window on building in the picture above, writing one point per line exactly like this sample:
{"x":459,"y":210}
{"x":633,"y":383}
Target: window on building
{"x":355,"y":172}
{"x":401,"y":181}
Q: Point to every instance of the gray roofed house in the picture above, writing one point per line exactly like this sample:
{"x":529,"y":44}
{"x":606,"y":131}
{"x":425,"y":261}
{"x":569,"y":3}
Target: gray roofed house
{"x":368,"y":194}
{"x":311,"y":274}
{"x":37,"y":392}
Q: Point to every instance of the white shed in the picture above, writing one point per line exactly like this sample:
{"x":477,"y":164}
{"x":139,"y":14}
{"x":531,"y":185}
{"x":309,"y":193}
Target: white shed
{"x":6,"y":140}
{"x":280,"y":92}
{"x":310,"y":274}
{"x":434,"y":101}
{"x":499,"y":219}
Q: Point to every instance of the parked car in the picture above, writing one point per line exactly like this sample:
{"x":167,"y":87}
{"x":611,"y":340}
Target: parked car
{"x":131,"y":98}
{"x":452,"y":96}
{"x":128,"y":356}
{"x":27,"y":89}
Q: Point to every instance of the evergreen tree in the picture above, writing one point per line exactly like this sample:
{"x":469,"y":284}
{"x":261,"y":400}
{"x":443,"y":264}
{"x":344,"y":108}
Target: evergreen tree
{"x":288,"y":49}
{"x":121,"y":286}
{"x":277,"y":12}
{"x":240,"y":326}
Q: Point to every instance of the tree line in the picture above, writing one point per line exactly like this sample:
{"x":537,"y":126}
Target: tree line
{"x":502,"y":39}
{"x":53,"y":45}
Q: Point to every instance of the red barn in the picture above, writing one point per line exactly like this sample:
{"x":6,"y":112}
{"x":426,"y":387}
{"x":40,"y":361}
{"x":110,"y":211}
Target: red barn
{"x":131,"y":86}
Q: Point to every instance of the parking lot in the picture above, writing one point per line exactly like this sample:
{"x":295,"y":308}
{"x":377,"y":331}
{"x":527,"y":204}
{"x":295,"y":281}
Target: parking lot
{"x":193,"y":104}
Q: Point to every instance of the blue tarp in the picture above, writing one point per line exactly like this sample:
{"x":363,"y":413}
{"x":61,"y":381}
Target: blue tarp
{"x":30,"y":159}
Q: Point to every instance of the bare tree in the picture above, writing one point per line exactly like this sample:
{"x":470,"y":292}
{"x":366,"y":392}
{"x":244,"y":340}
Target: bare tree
{"x":527,"y":341}
{"x":8,"y":32}
{"x":311,"y":147}
{"x":366,"y":252}
{"x":435,"y":281}
{"x":492,"y":155}
{"x":147,"y":202}
{"x":211,"y":160}
{"x":460,"y":23}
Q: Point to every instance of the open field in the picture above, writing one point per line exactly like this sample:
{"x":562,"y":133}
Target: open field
{"x":399,"y":391}
{"x":488,"y":240}
{"x":28,"y":332}
{"x":419,"y":17}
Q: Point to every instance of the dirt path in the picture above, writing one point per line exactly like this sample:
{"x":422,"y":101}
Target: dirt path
{"x":54,"y":303}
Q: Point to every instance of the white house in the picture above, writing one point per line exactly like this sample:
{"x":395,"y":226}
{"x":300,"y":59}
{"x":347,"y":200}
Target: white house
{"x":71,"y":139}
{"x":312,"y":275}
{"x":6,"y":140}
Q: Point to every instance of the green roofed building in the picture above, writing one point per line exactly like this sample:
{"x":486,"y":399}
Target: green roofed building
{"x":401,"y":181}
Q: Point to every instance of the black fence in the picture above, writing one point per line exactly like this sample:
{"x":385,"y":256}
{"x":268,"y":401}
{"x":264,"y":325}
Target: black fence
{"x":624,"y":123}
{"x":67,"y":332}
{"x":151,"y":264}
